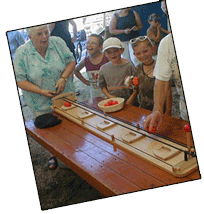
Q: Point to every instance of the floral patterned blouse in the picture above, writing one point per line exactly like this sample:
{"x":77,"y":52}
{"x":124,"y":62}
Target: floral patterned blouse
{"x":30,"y":65}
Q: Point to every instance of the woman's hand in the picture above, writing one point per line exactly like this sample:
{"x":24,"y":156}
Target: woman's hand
{"x":60,"y":85}
{"x":47,"y":93}
{"x":134,"y":28}
{"x":127,"y":31}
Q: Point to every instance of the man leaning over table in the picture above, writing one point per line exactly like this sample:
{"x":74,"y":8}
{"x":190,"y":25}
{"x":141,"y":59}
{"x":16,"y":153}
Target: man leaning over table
{"x":165,"y":68}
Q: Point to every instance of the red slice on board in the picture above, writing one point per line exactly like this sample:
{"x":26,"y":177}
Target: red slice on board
{"x":67,"y":104}
{"x":154,"y":129}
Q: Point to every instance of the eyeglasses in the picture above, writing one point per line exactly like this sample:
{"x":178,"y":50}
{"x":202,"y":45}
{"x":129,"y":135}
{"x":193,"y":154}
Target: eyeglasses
{"x":134,"y":41}
{"x":91,"y":43}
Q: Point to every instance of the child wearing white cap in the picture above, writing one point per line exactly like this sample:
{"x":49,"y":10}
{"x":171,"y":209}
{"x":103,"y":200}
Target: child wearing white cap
{"x":113,"y":73}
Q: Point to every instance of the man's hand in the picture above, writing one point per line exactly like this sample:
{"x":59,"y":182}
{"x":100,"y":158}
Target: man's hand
{"x":154,"y":119}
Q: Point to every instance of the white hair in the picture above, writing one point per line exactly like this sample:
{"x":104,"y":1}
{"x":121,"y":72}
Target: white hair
{"x":32,"y":30}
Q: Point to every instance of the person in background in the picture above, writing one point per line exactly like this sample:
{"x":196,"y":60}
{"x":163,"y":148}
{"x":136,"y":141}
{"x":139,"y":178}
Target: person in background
{"x":113,"y":73}
{"x":155,"y":31}
{"x":42,"y":68}
{"x":15,"y":40}
{"x":61,"y":29}
{"x":24,"y":34}
{"x":125,"y":25}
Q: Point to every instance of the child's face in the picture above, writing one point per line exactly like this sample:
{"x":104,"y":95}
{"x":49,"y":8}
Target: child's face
{"x":155,"y":23}
{"x":143,"y":51}
{"x":92,"y":45}
{"x":114,"y":54}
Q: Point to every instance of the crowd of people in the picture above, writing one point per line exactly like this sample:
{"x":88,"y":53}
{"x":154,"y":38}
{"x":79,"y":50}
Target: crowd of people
{"x":44,"y":66}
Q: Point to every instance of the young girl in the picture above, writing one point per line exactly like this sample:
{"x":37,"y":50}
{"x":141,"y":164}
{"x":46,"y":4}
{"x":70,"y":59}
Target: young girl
{"x":92,"y":63}
{"x":155,"y":31}
{"x":143,"y":50}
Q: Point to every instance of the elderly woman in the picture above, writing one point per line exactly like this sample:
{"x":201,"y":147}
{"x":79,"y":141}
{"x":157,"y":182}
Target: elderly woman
{"x":43,"y":67}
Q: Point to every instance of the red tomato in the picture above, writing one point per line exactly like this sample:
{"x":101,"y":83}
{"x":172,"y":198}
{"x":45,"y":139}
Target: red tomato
{"x":114,"y":102}
{"x":135,"y":81}
{"x":67,"y":104}
{"x":110,"y":102}
{"x":187,"y":128}
{"x":153,"y":129}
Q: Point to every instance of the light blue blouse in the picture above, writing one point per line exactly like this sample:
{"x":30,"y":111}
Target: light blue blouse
{"x":30,"y":65}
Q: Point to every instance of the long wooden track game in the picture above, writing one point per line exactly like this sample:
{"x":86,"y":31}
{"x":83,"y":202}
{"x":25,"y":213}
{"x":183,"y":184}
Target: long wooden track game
{"x":165,"y":154}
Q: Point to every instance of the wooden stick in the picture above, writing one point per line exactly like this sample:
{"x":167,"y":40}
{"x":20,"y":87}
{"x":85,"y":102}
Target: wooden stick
{"x":188,"y":136}
{"x":187,"y":129}
{"x":114,"y":148}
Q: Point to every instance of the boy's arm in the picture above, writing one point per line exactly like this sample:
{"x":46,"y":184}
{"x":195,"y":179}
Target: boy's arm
{"x":105,"y":91}
{"x":168,"y":101}
{"x":132,"y":97}
{"x":78,"y":74}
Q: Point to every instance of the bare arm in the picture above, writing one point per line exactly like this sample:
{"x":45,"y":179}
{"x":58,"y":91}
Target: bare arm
{"x":160,"y":92}
{"x":132,"y":97}
{"x":152,"y":35}
{"x":168,"y":100}
{"x":165,"y":31}
{"x":138,"y":21}
{"x":69,"y":69}
{"x":29,"y":86}
{"x":60,"y":85}
{"x":105,"y":91}
{"x":78,"y":74}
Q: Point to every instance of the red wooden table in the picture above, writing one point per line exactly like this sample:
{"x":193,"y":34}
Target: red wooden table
{"x":110,"y":171}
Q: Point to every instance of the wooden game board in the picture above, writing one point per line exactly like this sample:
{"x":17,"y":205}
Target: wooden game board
{"x":165,"y":154}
